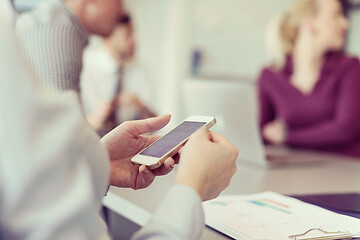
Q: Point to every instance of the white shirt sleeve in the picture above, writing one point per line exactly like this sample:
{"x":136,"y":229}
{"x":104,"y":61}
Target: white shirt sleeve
{"x":180,"y":216}
{"x":53,"y":171}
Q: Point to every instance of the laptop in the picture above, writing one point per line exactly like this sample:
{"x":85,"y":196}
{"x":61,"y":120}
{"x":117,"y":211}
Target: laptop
{"x":234,"y":105}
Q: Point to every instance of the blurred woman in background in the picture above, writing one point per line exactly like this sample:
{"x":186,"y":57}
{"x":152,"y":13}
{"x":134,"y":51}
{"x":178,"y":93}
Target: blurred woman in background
{"x":310,"y":95}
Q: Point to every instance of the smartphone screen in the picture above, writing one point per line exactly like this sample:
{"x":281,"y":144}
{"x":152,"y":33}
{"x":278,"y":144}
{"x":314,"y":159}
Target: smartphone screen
{"x":172,"y":139}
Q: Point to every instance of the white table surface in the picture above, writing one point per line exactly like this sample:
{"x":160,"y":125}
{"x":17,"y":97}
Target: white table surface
{"x":336,"y":175}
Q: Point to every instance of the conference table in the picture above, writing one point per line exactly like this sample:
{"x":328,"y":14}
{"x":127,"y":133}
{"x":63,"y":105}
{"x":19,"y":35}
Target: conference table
{"x":323,"y":173}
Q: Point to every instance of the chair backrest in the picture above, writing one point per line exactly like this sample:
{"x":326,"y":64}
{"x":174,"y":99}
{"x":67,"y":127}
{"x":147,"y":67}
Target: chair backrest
{"x":234,"y":105}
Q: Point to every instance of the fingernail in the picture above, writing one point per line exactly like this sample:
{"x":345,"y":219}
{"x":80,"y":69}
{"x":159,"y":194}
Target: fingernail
{"x":143,"y":170}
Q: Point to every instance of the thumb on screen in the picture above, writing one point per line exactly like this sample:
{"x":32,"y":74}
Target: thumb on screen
{"x":202,"y":132}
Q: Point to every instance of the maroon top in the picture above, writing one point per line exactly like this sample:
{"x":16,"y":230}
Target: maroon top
{"x":326,"y":119}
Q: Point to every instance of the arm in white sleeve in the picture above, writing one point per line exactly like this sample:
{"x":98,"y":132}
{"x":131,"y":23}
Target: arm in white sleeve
{"x":53,"y":171}
{"x":179,"y":216}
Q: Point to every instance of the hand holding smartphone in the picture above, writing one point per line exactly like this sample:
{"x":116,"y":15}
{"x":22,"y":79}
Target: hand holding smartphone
{"x":167,"y":146}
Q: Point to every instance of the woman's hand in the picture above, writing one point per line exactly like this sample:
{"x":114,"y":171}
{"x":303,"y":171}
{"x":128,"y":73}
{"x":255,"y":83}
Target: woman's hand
{"x":275,"y":132}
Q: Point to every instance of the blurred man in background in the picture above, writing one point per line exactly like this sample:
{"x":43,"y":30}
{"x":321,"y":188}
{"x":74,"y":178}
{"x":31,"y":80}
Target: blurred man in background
{"x":54,"y":35}
{"x":106,"y":92}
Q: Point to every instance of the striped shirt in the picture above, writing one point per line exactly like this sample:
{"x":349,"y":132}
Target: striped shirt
{"x":53,"y":40}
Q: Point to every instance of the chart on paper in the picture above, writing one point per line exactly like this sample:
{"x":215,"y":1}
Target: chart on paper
{"x":271,"y":216}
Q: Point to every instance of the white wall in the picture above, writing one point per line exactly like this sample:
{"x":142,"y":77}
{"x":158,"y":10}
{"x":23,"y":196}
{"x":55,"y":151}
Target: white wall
{"x":354,"y":33}
{"x":26,"y":4}
{"x":231,"y":34}
{"x":162,"y":35}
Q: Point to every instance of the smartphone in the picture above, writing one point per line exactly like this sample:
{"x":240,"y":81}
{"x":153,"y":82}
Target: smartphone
{"x":167,"y":146}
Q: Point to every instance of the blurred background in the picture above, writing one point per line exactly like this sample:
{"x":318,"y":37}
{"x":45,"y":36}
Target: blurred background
{"x":205,"y":56}
{"x":182,"y":40}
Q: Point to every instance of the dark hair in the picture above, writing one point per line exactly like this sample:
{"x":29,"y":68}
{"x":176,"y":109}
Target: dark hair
{"x":124,"y":20}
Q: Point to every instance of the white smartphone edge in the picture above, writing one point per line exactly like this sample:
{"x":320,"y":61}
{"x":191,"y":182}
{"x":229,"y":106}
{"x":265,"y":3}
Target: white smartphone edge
{"x":153,"y":162}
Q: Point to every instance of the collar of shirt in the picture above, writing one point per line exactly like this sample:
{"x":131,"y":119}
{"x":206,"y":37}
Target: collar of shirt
{"x":99,"y":56}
